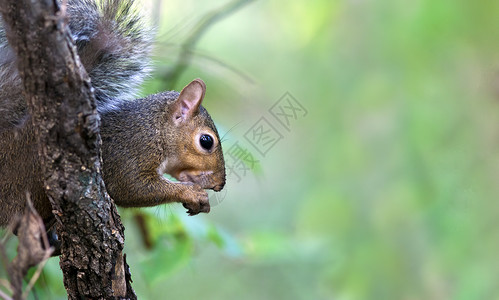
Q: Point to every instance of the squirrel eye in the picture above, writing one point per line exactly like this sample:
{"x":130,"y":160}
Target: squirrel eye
{"x":206,"y":141}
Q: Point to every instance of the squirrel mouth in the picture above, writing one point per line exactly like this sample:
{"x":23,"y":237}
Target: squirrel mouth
{"x":200,"y":179}
{"x":218,"y":188}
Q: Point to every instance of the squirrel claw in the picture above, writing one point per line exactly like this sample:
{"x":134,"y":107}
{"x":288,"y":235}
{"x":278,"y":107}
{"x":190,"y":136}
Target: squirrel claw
{"x":200,"y":208}
{"x":196,"y":200}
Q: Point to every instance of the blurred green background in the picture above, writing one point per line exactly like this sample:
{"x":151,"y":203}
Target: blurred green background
{"x":383,"y":189}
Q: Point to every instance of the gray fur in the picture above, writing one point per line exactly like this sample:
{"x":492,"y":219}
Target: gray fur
{"x":113,"y":44}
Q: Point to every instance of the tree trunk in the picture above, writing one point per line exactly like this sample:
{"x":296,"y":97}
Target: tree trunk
{"x":63,"y":114}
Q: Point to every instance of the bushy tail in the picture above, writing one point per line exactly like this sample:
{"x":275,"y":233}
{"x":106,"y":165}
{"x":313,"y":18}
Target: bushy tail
{"x":113,"y":44}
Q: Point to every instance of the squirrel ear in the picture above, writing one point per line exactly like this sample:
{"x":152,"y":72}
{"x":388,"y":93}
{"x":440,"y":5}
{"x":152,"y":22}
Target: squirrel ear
{"x":189,"y":100}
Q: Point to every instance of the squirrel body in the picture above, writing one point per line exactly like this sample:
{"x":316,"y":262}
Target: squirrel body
{"x":142,"y":139}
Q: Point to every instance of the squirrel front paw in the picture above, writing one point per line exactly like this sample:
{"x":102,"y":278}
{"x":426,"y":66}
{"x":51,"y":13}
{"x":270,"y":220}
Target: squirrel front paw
{"x":196,"y":200}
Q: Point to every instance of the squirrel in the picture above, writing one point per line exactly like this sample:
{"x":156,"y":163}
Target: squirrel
{"x":142,"y":139}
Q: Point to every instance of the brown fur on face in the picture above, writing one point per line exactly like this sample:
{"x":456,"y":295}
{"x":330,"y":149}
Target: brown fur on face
{"x":198,"y":165}
{"x":195,"y":164}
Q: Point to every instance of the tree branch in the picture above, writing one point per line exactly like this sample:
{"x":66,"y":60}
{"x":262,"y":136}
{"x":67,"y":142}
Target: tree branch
{"x":171,"y":76}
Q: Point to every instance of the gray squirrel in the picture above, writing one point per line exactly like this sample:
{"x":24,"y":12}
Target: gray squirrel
{"x":142,"y":139}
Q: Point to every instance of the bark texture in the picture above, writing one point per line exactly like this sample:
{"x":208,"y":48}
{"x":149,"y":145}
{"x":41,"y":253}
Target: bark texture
{"x":66,"y":125}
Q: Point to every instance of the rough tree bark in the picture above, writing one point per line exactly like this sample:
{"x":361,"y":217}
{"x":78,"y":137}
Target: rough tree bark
{"x":62,"y":109}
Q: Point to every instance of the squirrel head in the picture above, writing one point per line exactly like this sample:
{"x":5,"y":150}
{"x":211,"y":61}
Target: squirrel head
{"x":200,"y":158}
